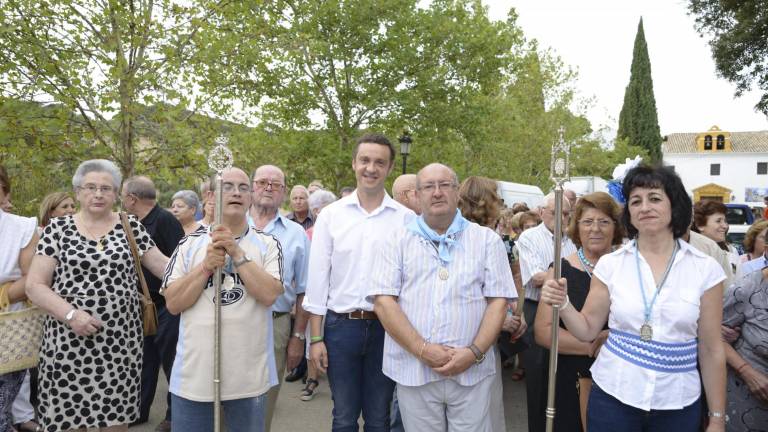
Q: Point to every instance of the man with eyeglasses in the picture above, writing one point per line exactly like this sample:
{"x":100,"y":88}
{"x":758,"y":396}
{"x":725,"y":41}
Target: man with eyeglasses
{"x":251,"y":262}
{"x":300,"y":206}
{"x":139,"y":198}
{"x":347,"y":240}
{"x":440,"y":288}
{"x":536,"y":247}
{"x":268,"y":194}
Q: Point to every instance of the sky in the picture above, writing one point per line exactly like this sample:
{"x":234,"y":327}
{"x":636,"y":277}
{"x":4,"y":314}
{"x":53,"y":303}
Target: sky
{"x":596,"y":37}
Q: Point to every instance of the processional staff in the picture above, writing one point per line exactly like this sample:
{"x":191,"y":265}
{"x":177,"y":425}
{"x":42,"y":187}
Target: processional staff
{"x":559,"y":173}
{"x":219,"y":159}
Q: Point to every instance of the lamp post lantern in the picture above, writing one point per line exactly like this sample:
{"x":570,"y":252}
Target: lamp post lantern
{"x":405,"y":148}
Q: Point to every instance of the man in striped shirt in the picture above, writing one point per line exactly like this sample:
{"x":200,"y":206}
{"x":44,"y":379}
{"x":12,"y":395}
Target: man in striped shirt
{"x":440,"y":287}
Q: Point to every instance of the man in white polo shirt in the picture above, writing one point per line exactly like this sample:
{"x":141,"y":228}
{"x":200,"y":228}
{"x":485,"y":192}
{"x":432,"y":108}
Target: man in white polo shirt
{"x":252,"y":268}
{"x":441,"y":287}
{"x":347,"y":240}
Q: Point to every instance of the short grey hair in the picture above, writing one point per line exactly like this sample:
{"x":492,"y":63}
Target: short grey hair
{"x":100,"y":166}
{"x":189,"y":197}
{"x":300,"y":188}
{"x":320,"y":199}
{"x":141,"y":186}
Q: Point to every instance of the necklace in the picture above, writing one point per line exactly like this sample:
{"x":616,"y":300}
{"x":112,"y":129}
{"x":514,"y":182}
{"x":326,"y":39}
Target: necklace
{"x":99,"y":240}
{"x":587,"y":264}
{"x":646,"y":331}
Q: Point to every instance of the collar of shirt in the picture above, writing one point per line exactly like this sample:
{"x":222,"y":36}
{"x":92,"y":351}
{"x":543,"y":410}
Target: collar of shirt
{"x":149,"y":219}
{"x":685,"y":247}
{"x":387,"y":202}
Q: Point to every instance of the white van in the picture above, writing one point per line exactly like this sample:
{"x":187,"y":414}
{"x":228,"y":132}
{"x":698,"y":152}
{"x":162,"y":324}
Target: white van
{"x":515,"y":192}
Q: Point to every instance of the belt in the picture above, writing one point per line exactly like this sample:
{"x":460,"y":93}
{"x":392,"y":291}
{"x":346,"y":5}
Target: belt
{"x":657,"y":356}
{"x":358,"y":314}
{"x":276,"y":315}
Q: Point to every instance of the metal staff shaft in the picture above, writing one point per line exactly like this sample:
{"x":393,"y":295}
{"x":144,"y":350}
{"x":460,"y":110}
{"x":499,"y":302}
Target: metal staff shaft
{"x":217,"y":316}
{"x":560,"y":173}
{"x":219,"y":159}
{"x":553,"y":345}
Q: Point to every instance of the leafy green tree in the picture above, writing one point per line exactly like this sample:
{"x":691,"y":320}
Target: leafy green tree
{"x":739,"y":32}
{"x":638,"y":121}
{"x":102,"y":61}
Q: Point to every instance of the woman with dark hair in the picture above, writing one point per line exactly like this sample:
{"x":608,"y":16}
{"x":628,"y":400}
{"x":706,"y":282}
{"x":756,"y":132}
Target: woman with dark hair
{"x":595,"y":229}
{"x":709,"y":220}
{"x":663,"y":302}
{"x":54,"y":205}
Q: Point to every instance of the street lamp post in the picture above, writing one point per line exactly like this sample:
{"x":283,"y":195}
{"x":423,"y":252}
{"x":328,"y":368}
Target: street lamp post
{"x":405,"y":148}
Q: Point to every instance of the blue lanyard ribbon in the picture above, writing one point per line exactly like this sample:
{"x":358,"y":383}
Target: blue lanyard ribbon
{"x":648,"y":307}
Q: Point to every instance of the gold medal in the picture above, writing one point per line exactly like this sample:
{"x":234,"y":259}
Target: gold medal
{"x":646,"y":332}
{"x":443,"y":273}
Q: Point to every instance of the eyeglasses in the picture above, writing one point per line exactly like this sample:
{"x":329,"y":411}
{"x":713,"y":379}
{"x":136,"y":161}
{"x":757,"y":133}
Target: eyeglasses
{"x":92,"y":189}
{"x":228,"y":187}
{"x":601,"y":223}
{"x":262,"y":184}
{"x":566,"y":213}
{"x":431,"y":187}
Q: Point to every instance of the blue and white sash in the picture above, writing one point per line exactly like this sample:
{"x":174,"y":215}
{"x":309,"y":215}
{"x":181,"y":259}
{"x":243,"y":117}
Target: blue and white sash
{"x":657,"y":356}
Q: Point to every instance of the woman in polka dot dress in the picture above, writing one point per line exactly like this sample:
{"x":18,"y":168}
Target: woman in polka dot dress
{"x":84,"y":276}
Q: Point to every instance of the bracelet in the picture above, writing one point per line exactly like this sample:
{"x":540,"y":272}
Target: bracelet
{"x":738,"y":369}
{"x":566,"y":304}
{"x":717,"y":415}
{"x":423,"y":347}
{"x":315,"y":339}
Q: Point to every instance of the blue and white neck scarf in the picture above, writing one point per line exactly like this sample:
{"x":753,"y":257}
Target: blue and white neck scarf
{"x":446,"y":241}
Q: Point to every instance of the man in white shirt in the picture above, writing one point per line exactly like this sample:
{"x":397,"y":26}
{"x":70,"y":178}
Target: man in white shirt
{"x":251,"y":263}
{"x":441,"y":287}
{"x":347,"y":240}
{"x":536,"y":246}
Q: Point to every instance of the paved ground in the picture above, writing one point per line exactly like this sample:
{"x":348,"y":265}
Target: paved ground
{"x":294,"y":415}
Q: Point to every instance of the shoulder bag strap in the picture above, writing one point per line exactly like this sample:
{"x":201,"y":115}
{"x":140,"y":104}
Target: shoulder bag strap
{"x":135,"y":252}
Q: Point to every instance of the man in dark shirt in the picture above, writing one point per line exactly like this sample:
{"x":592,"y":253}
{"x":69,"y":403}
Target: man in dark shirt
{"x":139,"y":198}
{"x":300,"y":206}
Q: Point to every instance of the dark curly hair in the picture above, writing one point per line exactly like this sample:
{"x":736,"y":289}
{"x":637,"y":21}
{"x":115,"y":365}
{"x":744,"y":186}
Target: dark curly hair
{"x":659,"y":177}
{"x":703,"y":209}
{"x":479,"y":202}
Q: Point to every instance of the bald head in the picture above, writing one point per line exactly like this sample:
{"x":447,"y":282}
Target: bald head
{"x":432,"y":168}
{"x":404,"y":192}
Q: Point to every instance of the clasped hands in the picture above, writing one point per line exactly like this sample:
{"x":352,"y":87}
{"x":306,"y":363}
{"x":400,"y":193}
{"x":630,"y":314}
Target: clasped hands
{"x":222,"y":244}
{"x":447,"y":361}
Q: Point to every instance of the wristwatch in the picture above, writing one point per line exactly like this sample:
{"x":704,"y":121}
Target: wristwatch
{"x":71,"y":314}
{"x":479,"y":355}
{"x":299,"y":335}
{"x":241,"y":261}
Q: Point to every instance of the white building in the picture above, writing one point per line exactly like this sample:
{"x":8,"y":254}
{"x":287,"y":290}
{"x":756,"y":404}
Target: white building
{"x":719,"y":165}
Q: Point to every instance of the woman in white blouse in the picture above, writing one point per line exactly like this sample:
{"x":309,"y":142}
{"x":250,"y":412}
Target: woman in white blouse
{"x":662,"y":299}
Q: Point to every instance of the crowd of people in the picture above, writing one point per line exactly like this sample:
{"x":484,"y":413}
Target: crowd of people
{"x":412,"y":304}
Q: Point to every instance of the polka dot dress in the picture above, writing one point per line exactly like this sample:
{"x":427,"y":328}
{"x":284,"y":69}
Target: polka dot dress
{"x":93,"y":381}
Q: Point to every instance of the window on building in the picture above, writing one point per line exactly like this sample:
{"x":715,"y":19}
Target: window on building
{"x":708,"y":142}
{"x":714,"y":169}
{"x":762,"y":168}
{"x":720,"y":142}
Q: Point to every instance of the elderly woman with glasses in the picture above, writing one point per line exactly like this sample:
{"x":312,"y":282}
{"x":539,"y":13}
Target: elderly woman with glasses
{"x":663,"y":302}
{"x":595,"y":229}
{"x":84,"y":276}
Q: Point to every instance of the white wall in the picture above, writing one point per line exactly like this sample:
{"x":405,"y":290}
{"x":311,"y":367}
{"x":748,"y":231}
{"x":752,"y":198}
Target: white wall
{"x":737,"y":171}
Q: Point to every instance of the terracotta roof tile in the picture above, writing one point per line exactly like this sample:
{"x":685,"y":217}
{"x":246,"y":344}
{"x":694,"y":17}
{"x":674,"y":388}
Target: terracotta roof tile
{"x":742,"y":142}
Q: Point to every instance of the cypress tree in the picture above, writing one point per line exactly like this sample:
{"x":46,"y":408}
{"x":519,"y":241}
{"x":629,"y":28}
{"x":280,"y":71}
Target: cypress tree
{"x":638,"y":121}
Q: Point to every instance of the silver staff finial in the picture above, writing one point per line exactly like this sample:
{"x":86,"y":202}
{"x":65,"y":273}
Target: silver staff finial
{"x":561,"y":155}
{"x":220,"y":157}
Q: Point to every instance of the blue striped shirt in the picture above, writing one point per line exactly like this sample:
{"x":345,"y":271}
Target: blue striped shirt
{"x":447,"y":312}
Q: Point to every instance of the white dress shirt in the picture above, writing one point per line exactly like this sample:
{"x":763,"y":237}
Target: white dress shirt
{"x":674,"y":319}
{"x":346,"y":242}
{"x":447,"y":312}
{"x":537,"y":252}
